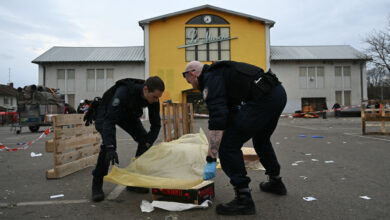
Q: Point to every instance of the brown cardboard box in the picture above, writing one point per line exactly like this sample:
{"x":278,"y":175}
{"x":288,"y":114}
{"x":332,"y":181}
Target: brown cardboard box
{"x":196,"y":195}
{"x":249,"y":154}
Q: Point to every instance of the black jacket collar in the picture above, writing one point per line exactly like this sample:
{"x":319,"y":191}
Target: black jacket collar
{"x":201,"y":76}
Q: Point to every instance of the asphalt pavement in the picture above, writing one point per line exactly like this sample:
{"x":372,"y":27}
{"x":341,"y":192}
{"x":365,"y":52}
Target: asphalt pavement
{"x":347,"y":174}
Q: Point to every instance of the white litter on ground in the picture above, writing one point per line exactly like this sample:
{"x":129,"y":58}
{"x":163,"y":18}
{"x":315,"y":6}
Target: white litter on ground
{"x":35,"y":155}
{"x":297,"y":162}
{"x":329,"y":161}
{"x":308,"y":154}
{"x":171,"y":206}
{"x":304,"y":177}
{"x":344,"y":142}
{"x":314,"y":160}
{"x":365,"y":197}
{"x":309,"y":199}
{"x":56,"y":196}
{"x":277,"y":143}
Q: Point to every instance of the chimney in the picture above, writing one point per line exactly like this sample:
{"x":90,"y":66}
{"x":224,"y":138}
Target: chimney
{"x":10,"y":84}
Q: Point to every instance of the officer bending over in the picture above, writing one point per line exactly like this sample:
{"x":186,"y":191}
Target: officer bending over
{"x":122,"y":105}
{"x":243,"y":103}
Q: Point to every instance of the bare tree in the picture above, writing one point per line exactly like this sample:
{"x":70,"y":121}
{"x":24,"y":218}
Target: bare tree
{"x":376,"y":76}
{"x":378,"y":52}
{"x":379,"y":47}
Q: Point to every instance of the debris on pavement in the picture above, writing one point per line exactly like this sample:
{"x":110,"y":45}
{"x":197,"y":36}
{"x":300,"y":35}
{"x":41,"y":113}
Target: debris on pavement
{"x":171,"y":206}
{"x":56,"y":196}
{"x":297,"y":162}
{"x":35,"y":155}
{"x":365,"y":197}
{"x":309,"y":199}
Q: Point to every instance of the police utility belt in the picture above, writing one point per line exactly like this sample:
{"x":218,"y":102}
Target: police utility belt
{"x":263,"y":85}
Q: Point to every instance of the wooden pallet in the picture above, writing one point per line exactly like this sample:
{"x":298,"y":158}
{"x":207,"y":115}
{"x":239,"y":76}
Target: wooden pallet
{"x":176,"y":116}
{"x":381,"y":114}
{"x":74,"y":145}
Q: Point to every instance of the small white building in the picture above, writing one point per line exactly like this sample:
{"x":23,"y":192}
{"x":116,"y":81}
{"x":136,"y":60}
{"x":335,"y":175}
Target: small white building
{"x":86,"y":72}
{"x":7,"y":98}
{"x":313,"y":75}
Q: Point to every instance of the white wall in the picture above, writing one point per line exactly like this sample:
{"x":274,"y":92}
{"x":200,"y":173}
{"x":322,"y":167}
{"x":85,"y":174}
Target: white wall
{"x":9,"y":105}
{"x":288,"y":74}
{"x":121,"y":70}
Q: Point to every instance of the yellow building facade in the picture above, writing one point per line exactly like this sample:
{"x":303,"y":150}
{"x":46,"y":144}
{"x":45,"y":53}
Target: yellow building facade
{"x":206,"y":33}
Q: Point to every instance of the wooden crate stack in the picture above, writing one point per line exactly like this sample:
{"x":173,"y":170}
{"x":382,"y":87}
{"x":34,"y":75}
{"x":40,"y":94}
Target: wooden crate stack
{"x":74,"y":145}
{"x":176,"y":115}
{"x":381,"y":114}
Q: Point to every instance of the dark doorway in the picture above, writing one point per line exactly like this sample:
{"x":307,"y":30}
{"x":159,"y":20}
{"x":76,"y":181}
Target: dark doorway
{"x":312,"y":104}
{"x":195,"y":97}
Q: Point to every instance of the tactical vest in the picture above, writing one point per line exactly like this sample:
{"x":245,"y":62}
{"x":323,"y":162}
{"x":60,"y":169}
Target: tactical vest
{"x":128,"y":82}
{"x":239,"y":82}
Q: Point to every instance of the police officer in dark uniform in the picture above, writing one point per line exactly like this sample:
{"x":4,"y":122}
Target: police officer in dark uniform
{"x":243,"y":103}
{"x":123,"y":105}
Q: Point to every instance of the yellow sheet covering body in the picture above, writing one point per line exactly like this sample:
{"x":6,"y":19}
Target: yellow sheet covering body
{"x":177,"y":164}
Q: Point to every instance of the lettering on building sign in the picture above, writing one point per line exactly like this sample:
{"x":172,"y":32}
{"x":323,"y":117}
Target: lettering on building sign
{"x":195,"y":41}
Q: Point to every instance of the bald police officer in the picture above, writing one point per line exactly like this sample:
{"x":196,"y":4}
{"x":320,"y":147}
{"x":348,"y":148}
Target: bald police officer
{"x":243,"y":103}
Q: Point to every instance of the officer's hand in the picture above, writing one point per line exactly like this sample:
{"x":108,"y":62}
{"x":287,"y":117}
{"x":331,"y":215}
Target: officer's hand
{"x":209,"y":170}
{"x":111,"y":155}
{"x":148,"y":145}
{"x":142,"y":149}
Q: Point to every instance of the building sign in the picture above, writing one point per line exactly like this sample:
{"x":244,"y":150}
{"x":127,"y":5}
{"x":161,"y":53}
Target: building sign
{"x":207,"y":43}
{"x":196,"y":40}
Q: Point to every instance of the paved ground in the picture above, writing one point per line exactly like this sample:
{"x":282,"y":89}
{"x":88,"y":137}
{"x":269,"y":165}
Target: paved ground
{"x":360,"y":167}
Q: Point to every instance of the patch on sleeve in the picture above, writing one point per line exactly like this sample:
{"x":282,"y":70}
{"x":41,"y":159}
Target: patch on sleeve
{"x":116,"y":102}
{"x":205,"y":93}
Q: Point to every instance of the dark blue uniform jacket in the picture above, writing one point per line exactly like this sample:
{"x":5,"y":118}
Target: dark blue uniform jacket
{"x":126,"y":106}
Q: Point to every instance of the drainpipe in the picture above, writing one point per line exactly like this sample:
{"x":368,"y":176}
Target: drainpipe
{"x":44,"y":75}
{"x":361,"y":80}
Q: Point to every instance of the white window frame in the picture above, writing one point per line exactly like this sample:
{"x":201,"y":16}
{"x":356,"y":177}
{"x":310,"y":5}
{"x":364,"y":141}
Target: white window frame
{"x":95,"y":79}
{"x":196,"y":50}
{"x":6,"y":101}
{"x":307,"y":77}
{"x":343,"y":89}
{"x":66,"y":80}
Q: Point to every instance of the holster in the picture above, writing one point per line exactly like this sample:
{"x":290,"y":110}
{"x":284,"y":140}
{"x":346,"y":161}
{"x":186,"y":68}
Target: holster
{"x":263,"y":85}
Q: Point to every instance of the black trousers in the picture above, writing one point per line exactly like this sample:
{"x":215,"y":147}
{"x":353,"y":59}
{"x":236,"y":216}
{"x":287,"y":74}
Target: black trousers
{"x":256,"y":120}
{"x":131,"y":125}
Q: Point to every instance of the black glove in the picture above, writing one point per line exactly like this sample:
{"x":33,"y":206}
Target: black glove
{"x":88,"y":118}
{"x":111,"y":155}
{"x":90,"y":114}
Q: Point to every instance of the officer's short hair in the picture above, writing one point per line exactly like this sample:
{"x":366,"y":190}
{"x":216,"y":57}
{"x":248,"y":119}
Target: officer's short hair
{"x":155,"y":82}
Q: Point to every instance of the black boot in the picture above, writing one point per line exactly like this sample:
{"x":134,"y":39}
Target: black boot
{"x":97,"y":189}
{"x":274,"y":185}
{"x":241,"y":205}
{"x":139,"y":190}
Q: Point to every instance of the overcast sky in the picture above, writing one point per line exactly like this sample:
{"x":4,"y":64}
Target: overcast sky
{"x":28,"y":28}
